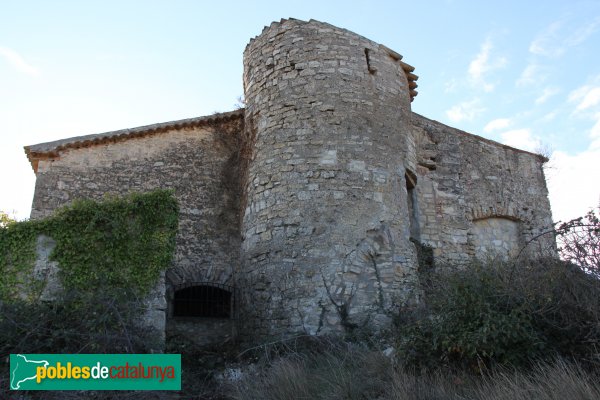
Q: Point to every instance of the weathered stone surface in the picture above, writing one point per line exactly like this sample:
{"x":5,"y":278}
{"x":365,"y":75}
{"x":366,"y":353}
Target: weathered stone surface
{"x":306,"y":201}
{"x":198,"y":164}
{"x":338,"y":141}
{"x":496,"y":237}
{"x":463,"y":178}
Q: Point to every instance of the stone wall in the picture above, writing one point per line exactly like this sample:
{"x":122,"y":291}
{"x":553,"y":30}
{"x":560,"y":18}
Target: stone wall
{"x":463,"y":178}
{"x":198,"y":163}
{"x":328,"y":139}
{"x":496,"y":238}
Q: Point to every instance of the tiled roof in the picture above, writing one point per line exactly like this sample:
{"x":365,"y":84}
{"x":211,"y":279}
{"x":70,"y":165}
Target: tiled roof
{"x":51,"y":149}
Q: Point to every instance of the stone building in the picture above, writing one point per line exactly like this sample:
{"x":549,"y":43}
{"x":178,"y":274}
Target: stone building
{"x":299,"y":213}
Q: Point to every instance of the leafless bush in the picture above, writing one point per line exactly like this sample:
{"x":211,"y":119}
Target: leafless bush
{"x":579,"y":241}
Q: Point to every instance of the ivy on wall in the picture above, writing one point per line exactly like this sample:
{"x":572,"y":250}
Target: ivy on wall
{"x":17,"y":255}
{"x":121,"y":243}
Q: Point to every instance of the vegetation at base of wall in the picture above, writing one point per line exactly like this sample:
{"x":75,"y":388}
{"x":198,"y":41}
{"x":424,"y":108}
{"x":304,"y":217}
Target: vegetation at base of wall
{"x":110,"y":254}
{"x":17,"y":255}
{"x":520,"y":330}
{"x":121,"y":243}
{"x":506,"y":314}
{"x":334,"y":369}
{"x":94,"y":321}
{"x":425,"y":260}
{"x":510,"y":313}
{"x":107,"y":325}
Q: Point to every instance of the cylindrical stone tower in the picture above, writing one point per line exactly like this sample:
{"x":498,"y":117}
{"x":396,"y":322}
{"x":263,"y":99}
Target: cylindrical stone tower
{"x":328,"y":145}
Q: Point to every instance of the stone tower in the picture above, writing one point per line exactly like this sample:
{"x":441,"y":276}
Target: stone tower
{"x":330,"y":154}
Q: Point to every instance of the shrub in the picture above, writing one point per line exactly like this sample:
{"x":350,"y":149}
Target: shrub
{"x":503,"y":314}
{"x":102,"y":321}
{"x":579,"y":241}
{"x":99,"y":322}
{"x":469,"y":320}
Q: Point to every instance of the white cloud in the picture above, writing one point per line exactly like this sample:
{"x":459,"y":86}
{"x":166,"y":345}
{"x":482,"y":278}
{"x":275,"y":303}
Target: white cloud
{"x":573,"y":183}
{"x":450,"y":86}
{"x":546,"y":94}
{"x":465,"y":111}
{"x":587,"y":99}
{"x":579,"y":93}
{"x":496,"y":124}
{"x":18,"y":62}
{"x":590,"y":99}
{"x":582,"y":33}
{"x":560,"y":35}
{"x":482,"y":64}
{"x":521,"y":139}
{"x":574,"y":180}
{"x":594,"y":134}
{"x":549,"y":116}
{"x":547,"y":42}
{"x":595,"y":131}
{"x":532,"y":74}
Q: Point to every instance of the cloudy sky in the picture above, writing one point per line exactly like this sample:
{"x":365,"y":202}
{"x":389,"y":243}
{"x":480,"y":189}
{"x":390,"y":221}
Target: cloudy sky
{"x":524,"y":73}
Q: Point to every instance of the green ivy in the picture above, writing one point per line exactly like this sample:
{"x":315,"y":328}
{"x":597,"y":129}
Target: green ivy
{"x":17,"y":256}
{"x":121,"y":243}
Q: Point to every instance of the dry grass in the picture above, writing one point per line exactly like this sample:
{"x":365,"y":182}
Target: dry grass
{"x":555,"y":381}
{"x":355,"y":372}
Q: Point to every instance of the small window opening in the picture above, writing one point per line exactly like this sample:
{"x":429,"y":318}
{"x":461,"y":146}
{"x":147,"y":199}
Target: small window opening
{"x":370,"y":68}
{"x":202,"y":301}
{"x":411,"y":202}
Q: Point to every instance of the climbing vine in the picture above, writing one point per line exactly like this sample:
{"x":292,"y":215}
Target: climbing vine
{"x":120,"y":243}
{"x":17,"y":255}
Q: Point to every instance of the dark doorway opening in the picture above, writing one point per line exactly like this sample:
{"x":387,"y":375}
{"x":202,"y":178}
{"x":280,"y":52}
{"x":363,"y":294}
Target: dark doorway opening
{"x":203,"y":300}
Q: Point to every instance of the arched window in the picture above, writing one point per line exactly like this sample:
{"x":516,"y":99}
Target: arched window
{"x":203,"y":300}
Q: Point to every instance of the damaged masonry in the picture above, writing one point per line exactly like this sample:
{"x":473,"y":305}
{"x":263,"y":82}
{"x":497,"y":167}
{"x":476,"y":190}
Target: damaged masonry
{"x":300,"y":212}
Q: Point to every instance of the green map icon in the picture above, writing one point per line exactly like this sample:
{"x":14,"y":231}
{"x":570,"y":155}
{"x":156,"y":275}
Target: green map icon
{"x":23,"y":369}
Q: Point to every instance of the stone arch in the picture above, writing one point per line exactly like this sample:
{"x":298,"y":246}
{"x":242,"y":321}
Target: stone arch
{"x":187,"y":274}
{"x":505,"y":210}
{"x":202,"y":312}
{"x":497,"y":231}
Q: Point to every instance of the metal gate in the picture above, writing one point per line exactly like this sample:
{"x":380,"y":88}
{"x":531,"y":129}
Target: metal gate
{"x":203,"y":300}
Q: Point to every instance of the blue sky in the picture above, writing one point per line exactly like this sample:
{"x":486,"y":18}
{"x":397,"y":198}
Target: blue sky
{"x":524,"y":73}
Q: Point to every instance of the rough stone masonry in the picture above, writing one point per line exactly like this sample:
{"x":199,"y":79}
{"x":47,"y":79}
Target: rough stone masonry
{"x":304,"y":207}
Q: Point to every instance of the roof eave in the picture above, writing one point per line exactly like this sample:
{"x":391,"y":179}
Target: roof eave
{"x":48,"y":150}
